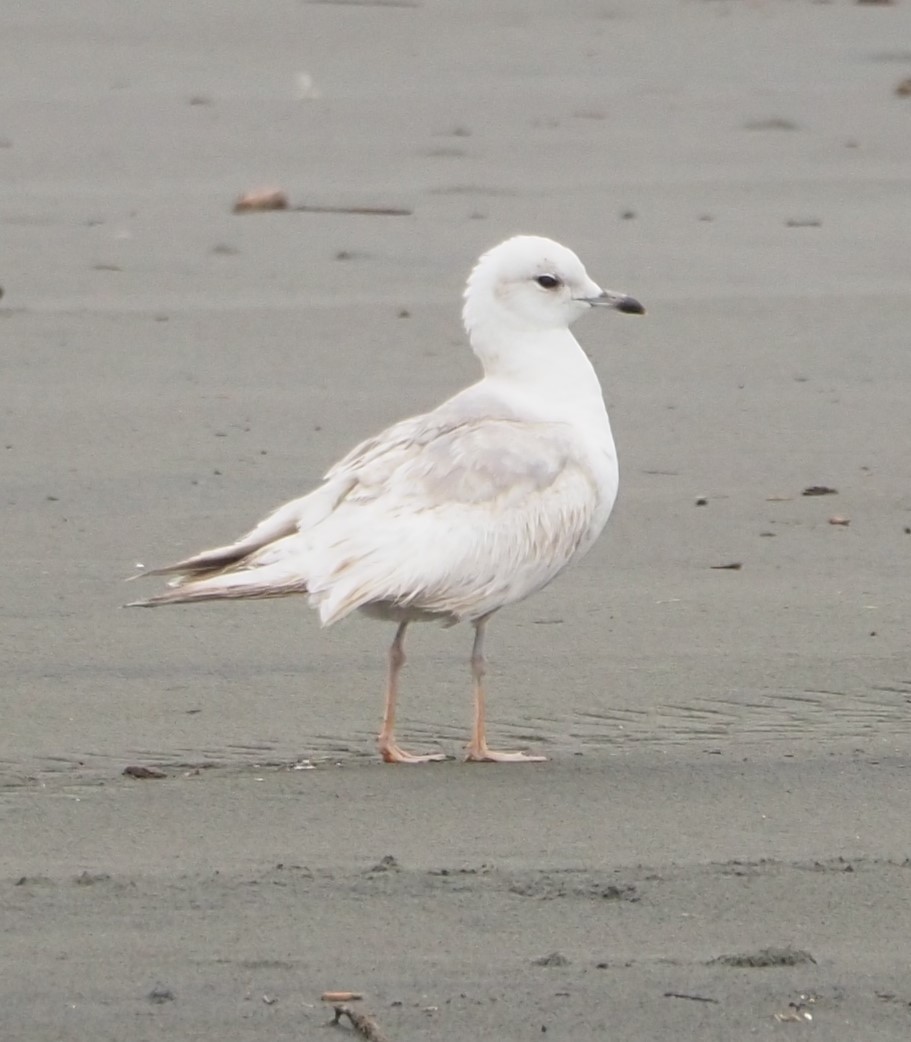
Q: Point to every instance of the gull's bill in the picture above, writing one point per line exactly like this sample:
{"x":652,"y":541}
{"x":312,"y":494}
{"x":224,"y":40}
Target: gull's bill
{"x":618,"y":301}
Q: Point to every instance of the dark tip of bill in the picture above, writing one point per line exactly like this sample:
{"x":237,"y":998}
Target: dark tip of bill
{"x":630,"y":306}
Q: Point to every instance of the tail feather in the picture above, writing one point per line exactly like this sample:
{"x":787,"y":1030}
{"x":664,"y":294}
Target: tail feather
{"x":256,"y":584}
{"x":204,"y":565}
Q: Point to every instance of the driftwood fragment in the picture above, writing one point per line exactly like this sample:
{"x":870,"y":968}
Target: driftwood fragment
{"x":363,"y":1024}
{"x":261,"y":199}
{"x":138,"y":771}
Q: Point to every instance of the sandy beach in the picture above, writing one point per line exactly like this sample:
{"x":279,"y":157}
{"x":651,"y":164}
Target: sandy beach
{"x":719,"y":845}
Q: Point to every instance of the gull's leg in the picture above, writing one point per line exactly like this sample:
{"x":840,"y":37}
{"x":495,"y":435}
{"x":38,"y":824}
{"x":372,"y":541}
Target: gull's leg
{"x":478,"y":749}
{"x":389,"y":749}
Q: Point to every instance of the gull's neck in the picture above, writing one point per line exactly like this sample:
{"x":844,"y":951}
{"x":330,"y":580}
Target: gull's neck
{"x":548,"y":365}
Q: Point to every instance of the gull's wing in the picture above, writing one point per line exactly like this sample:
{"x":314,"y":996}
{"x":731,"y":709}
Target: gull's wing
{"x":440,"y":514}
{"x":474,"y":517}
{"x":296,"y":515}
{"x":303,"y":513}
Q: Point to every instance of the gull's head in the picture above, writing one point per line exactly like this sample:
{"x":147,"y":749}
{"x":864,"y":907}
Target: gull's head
{"x":531,"y":283}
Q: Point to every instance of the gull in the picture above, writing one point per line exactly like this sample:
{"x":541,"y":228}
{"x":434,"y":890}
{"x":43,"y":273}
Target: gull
{"x":454,"y":514}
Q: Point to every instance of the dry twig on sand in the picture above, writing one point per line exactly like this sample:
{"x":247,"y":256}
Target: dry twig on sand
{"x":365,"y":211}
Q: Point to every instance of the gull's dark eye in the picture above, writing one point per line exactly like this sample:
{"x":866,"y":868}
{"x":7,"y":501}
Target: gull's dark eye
{"x":548,"y":281}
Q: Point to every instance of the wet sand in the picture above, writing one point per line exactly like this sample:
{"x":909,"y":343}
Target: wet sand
{"x":730,"y":749}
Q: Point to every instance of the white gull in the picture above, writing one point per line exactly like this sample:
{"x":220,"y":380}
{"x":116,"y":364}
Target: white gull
{"x":454,"y":514}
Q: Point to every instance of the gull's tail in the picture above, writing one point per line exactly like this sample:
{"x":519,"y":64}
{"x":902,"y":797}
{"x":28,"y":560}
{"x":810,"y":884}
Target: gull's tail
{"x":258,"y":564}
{"x":255,"y":583}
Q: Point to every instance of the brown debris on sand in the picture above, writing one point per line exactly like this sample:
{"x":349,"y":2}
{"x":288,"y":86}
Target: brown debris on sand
{"x":363,"y":1024}
{"x":261,"y":199}
{"x":136,"y":771}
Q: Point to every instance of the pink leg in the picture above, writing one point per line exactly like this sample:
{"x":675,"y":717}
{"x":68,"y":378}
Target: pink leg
{"x":390,"y":750}
{"x":478,"y":750}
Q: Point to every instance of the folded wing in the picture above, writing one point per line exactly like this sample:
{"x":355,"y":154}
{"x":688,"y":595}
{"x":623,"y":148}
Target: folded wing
{"x":454,"y":517}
